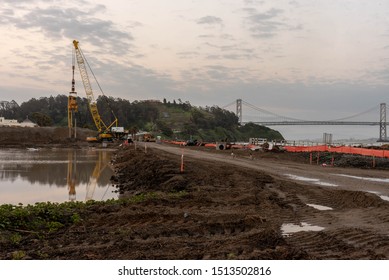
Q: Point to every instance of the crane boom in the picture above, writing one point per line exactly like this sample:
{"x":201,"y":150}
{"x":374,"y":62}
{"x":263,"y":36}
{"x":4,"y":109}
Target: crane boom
{"x":102,"y":128}
{"x":100,"y":125}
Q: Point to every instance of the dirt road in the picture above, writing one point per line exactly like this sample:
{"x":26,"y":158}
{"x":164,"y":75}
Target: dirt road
{"x":354,"y":179}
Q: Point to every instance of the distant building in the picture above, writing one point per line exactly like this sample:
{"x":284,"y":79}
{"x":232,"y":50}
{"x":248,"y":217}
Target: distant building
{"x":5,"y":122}
{"x":15,"y":123}
{"x":257,"y":141}
{"x":28,"y":123}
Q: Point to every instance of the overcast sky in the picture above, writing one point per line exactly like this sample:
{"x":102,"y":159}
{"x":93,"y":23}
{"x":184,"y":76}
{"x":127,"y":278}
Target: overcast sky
{"x":322,"y":59}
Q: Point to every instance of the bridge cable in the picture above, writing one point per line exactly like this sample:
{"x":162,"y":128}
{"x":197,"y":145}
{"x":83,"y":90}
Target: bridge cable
{"x":228,"y":105}
{"x":294,"y":119}
{"x":356,"y":115}
{"x":270,"y":113}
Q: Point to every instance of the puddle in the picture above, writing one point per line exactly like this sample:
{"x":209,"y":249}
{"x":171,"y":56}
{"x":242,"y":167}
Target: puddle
{"x":312,"y":180}
{"x":373,"y":192}
{"x":365,"y":178}
{"x":326,"y":184}
{"x":383,"y":197}
{"x":320,"y":207}
{"x":288,"y":229}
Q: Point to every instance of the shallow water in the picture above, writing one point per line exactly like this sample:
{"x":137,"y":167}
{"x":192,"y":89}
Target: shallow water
{"x":288,"y":229}
{"x":384,"y":197}
{"x":55,"y":175}
{"x":312,"y":180}
{"x":320,"y":207}
{"x":365,"y":178}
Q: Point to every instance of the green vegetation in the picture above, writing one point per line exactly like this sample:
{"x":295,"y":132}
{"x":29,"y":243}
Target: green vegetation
{"x":171,"y":120}
{"x":41,"y":217}
{"x":47,"y":217}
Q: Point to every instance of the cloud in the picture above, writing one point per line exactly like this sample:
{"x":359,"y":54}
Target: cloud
{"x":6,"y":16}
{"x":254,"y":2}
{"x":264,"y":24}
{"x":188,"y":54}
{"x":57,"y":23}
{"x":230,"y":52}
{"x":210,"y":20}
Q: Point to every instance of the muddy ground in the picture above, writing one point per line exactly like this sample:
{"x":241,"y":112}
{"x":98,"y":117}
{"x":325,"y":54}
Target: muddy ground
{"x":220,"y":207}
{"x":20,"y":137}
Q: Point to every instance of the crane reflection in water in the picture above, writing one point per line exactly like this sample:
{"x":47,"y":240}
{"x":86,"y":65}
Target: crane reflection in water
{"x":102,"y":163}
{"x":28,"y":176}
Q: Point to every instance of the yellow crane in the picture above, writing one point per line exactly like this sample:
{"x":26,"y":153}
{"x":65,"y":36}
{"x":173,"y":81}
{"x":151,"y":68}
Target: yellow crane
{"x":104,"y":131}
{"x":101,"y":163}
{"x":72,"y":106}
{"x":72,"y":175}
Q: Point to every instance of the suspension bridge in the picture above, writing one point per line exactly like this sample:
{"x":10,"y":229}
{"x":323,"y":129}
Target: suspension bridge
{"x":268,"y":118}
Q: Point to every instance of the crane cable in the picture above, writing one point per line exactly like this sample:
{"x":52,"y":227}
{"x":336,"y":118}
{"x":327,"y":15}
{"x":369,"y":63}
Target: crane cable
{"x":98,"y":84}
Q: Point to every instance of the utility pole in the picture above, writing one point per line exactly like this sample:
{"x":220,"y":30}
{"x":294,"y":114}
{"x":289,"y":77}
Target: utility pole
{"x":383,"y":136}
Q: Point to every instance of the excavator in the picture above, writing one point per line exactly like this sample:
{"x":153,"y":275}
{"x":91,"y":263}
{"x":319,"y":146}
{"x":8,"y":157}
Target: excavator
{"x":104,"y":130}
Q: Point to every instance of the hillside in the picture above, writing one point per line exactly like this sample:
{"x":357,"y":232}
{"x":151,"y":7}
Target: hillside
{"x":171,"y":120}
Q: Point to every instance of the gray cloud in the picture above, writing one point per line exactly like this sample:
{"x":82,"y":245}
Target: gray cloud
{"x":265,"y":24}
{"x":211,"y":20}
{"x":188,"y":54}
{"x":6,"y":16}
{"x":254,"y":2}
{"x":231,"y":52}
{"x":57,"y":23}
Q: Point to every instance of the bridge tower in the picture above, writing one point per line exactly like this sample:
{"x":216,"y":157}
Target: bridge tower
{"x":383,"y":136}
{"x":239,"y":110}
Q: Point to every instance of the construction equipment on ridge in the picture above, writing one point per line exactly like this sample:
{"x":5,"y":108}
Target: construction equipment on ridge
{"x":72,"y":106}
{"x":104,"y":131}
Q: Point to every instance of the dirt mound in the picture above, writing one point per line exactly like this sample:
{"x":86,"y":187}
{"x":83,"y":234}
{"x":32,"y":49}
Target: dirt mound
{"x":32,"y":136}
{"x":148,"y":172}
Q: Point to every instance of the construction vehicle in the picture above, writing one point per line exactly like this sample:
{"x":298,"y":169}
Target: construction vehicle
{"x":104,"y":130}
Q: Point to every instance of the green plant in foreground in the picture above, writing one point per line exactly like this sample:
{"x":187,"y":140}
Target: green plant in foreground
{"x":143,"y":197}
{"x":54,"y":226}
{"x":15,"y":238}
{"x":48,"y":217}
{"x":18,"y":255}
{"x":179,"y":194}
{"x":39,"y":217}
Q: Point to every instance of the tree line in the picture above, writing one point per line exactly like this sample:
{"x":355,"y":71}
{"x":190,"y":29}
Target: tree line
{"x":150,"y":115}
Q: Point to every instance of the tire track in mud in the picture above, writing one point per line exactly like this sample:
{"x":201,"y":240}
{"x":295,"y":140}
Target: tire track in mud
{"x":346,"y":243}
{"x":355,"y":228}
{"x":342,"y":240}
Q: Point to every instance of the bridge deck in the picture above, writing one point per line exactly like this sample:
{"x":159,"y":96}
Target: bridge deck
{"x":314,"y":123}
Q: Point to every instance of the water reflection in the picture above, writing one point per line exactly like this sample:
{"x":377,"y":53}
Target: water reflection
{"x":41,"y":175}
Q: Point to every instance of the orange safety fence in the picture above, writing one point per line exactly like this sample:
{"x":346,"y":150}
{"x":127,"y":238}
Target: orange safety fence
{"x":341,"y":149}
{"x":181,"y":143}
{"x":210,"y":145}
